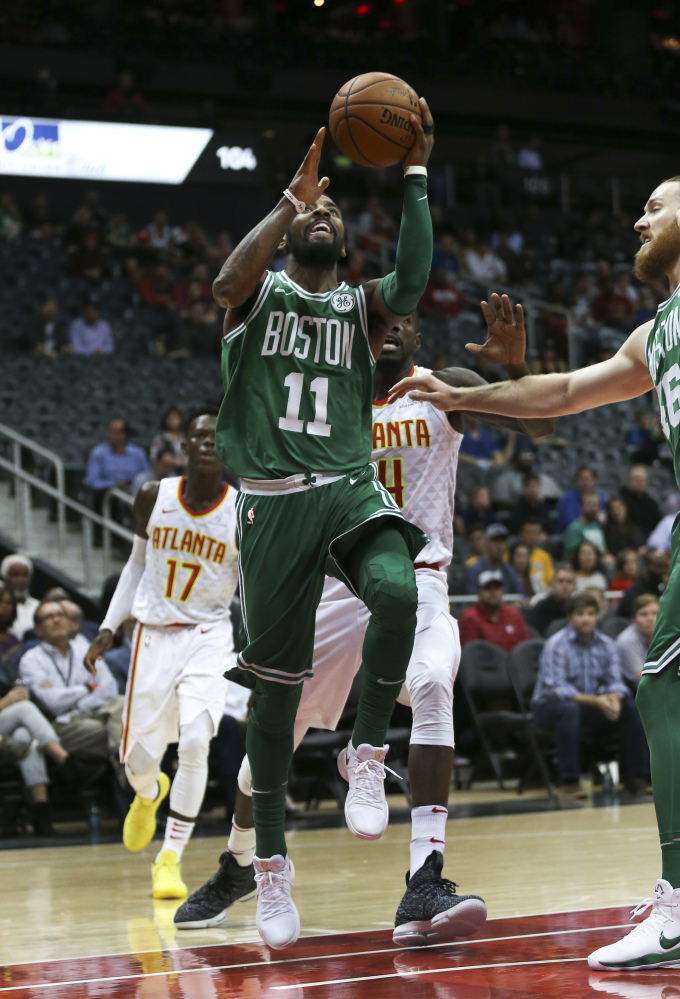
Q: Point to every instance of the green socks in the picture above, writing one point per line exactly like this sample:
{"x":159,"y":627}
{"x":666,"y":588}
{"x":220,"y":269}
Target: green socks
{"x":670,"y":861}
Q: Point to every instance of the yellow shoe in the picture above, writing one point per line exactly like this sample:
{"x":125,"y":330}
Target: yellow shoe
{"x":166,"y":877}
{"x":140,"y":822}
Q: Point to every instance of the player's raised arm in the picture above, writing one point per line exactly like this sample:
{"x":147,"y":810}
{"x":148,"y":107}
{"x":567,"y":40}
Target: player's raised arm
{"x":399,"y":292}
{"x":623,"y":376}
{"x":242,"y":271}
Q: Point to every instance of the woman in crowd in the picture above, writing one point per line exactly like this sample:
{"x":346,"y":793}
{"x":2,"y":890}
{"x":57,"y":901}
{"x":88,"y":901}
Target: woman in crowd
{"x":520,"y":560}
{"x":619,"y":532}
{"x":172,"y":433}
{"x":586,"y":562}
{"x":9,"y":643}
{"x":627,"y":567}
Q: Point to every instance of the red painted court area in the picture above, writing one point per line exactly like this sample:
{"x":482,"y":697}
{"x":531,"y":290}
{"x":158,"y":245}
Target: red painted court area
{"x":526,"y":956}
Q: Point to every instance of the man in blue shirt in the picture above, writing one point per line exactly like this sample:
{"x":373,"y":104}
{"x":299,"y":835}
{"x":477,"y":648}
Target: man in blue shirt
{"x":495,"y":547}
{"x":114,"y":463}
{"x":569,"y":504}
{"x":580,"y":692}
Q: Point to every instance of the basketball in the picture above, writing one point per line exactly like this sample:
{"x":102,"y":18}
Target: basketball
{"x":370,"y":119}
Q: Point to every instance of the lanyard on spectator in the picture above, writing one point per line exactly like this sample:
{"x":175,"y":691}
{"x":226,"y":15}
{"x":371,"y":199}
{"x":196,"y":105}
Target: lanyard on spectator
{"x":66,"y":679}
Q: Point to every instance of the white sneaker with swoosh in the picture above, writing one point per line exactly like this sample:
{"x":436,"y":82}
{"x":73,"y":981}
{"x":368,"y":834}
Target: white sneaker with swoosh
{"x":277,"y":919}
{"x":366,"y":810}
{"x":654,"y":943}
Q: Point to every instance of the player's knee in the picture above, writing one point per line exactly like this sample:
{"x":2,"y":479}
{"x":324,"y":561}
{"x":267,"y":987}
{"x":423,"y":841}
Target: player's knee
{"x":432,"y":705}
{"x":393,"y":596}
{"x":244,"y":777}
{"x":194,"y":739}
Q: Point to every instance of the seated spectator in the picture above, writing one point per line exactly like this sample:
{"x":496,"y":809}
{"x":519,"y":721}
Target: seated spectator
{"x":541,"y":568}
{"x":643,"y":510}
{"x":479,"y":510}
{"x":495,"y":547}
{"x":587,"y":527}
{"x":90,"y":334}
{"x":157,"y":289}
{"x":580,"y":691}
{"x":172,"y":435}
{"x":660,"y":538}
{"x":9,"y":643}
{"x":508,"y":487}
{"x":194,"y":334}
{"x":76,"y":619}
{"x":569,"y":505}
{"x":30,"y":737}
{"x":483,"y":265}
{"x":441,"y":299}
{"x":88,"y":259}
{"x":642,"y":438}
{"x":114,"y":463}
{"x":552,"y":606}
{"x":652,"y":579}
{"x":479,"y":445}
{"x":118,"y":658}
{"x":520,"y":560}
{"x":125,"y":102}
{"x":612,"y":308}
{"x":81,"y":223}
{"x":46,"y":335}
{"x":619,"y":532}
{"x":477,"y":539}
{"x":490,"y":619}
{"x":626,"y":570}
{"x":445,"y":253}
{"x":16,"y":572}
{"x":530,"y":505}
{"x":87,"y":710}
{"x":162,"y":467}
{"x":586,"y":561}
{"x":119,"y":233}
{"x":634,"y":640}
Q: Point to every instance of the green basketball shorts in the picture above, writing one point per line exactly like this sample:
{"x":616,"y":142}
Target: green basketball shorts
{"x":665,"y":643}
{"x":288,"y":541}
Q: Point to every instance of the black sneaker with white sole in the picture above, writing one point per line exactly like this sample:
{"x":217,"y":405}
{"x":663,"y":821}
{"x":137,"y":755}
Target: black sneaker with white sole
{"x":208,"y":905}
{"x":431,"y":912}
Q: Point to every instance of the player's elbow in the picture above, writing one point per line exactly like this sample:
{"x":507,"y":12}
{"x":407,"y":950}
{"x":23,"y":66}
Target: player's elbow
{"x":228,"y":291}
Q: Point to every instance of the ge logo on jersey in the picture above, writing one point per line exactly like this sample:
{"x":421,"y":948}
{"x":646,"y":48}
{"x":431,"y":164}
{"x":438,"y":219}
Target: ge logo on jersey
{"x":250,"y":516}
{"x":342,"y":302}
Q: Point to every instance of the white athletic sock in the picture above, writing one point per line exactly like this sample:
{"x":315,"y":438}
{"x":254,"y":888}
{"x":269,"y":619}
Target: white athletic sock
{"x":241,"y":844}
{"x":177,"y":835}
{"x":428,"y":833}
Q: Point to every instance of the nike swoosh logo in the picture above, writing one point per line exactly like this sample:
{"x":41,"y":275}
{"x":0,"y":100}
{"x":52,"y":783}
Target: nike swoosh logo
{"x":433,"y":840}
{"x":352,"y":481}
{"x":172,"y":510}
{"x":668,"y":944}
{"x":204,"y":631}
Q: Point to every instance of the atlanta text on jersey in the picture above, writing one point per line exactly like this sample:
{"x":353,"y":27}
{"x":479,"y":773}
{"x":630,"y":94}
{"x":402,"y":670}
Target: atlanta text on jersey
{"x":192,"y":542}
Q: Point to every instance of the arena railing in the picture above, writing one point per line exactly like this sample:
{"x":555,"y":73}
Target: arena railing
{"x":109,"y":496}
{"x":22,"y":490}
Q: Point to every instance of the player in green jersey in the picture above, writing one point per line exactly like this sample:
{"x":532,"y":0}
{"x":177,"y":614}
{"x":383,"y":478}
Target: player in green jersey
{"x":298,"y":357}
{"x":650,"y":358}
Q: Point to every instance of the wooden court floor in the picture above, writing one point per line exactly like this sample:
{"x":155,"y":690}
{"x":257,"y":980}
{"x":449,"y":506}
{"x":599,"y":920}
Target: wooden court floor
{"x":79,"y":921}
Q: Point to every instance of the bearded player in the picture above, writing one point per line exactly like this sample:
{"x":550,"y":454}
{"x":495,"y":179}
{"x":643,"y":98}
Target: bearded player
{"x":649,"y":358}
{"x":295,"y":424}
{"x":178,"y":584}
{"x":415,"y":448}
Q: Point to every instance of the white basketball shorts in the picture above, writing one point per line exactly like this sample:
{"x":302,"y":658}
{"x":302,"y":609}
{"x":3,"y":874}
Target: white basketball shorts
{"x":341,"y":622}
{"x":175,"y":674}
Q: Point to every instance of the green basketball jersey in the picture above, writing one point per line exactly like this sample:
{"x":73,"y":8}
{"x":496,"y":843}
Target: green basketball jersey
{"x":297,"y":378}
{"x":663,"y":360}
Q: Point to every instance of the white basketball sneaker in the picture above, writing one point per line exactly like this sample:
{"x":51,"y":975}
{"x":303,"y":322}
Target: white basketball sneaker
{"x":366,"y":811}
{"x":277,"y":919}
{"x":654,"y":943}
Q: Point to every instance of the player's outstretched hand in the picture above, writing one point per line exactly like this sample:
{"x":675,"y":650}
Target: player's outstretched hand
{"x":306,"y":185}
{"x":505,"y":335}
{"x":101,"y":644}
{"x":427,"y":388}
{"x":419,"y":153}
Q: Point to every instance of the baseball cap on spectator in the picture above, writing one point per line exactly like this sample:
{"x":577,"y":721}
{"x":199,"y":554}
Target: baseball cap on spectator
{"x":488,"y":578}
{"x":496,"y":531}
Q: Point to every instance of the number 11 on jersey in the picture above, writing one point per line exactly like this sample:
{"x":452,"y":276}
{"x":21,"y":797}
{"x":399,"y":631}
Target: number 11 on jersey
{"x":291,"y":421}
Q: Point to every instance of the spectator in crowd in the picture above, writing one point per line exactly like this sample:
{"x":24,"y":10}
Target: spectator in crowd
{"x":172,"y":435}
{"x":9,"y":643}
{"x":553,"y":606}
{"x":477,"y":539}
{"x":479,"y":510}
{"x":162,"y":466}
{"x":495,"y":547}
{"x":125,"y":102}
{"x":641,"y":439}
{"x":87,"y":710}
{"x":76,"y":618}
{"x":17,"y":571}
{"x":119,"y":234}
{"x":194,"y":334}
{"x":643,"y":510}
{"x":81,"y":223}
{"x":502,"y":150}
{"x":619,"y":532}
{"x":159,"y":231}
{"x":46,"y":336}
{"x":88,"y":260}
{"x":529,"y":156}
{"x":118,"y":658}
{"x":634,"y":640}
{"x":652,"y":579}
{"x":10,"y":217}
{"x":580,"y":691}
{"x":569,"y":505}
{"x":587,"y":527}
{"x":479,"y":445}
{"x":158,"y":290}
{"x":114,"y":463}
{"x":442,"y":299}
{"x":445,"y":254}
{"x":530,"y":505}
{"x":586,"y":561}
{"x":90,"y":334}
{"x":490,"y":619}
{"x":660,"y":538}
{"x":508,"y":487}
{"x":520,"y":560}
{"x":626,"y":570}
{"x":541,"y":568}
{"x":483,"y":265}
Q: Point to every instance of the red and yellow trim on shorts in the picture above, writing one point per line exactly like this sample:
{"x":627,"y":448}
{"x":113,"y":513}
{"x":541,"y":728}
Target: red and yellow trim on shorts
{"x":379,"y":403}
{"x":133,"y":672}
{"x":199,"y":513}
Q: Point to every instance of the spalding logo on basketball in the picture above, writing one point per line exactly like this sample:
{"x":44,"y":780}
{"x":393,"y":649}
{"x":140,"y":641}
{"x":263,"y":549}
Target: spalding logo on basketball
{"x":342,"y":302}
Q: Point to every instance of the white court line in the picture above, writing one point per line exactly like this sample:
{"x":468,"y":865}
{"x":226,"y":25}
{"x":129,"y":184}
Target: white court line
{"x":429,"y":971}
{"x":307,"y":958}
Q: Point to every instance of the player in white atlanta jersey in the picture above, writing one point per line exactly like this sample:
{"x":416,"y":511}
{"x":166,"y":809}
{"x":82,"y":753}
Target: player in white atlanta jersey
{"x":178,"y":584}
{"x":416,"y":451}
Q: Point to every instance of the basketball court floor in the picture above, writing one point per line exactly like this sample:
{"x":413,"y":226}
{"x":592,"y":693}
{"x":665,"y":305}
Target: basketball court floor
{"x":79,"y":921}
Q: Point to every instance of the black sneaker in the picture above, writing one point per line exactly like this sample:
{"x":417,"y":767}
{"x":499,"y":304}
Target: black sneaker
{"x":430,"y":911}
{"x":208,"y":905}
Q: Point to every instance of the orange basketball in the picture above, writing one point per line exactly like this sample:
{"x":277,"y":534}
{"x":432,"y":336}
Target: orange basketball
{"x":370,"y":119}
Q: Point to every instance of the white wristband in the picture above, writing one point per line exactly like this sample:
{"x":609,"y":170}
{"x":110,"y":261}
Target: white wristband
{"x":415,"y":171}
{"x":300,"y":206}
